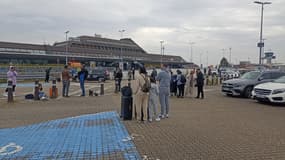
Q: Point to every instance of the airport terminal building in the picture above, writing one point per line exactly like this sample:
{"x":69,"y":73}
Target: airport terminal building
{"x":85,"y":49}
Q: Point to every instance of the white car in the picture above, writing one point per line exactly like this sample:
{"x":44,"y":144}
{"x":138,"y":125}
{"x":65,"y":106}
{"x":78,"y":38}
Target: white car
{"x":270,"y":92}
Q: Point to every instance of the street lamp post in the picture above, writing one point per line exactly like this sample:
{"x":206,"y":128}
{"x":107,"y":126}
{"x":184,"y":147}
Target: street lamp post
{"x":223,"y":52}
{"x":230,"y":56}
{"x":191,"y":48}
{"x":201,"y":65}
{"x":121,"y":31}
{"x":261,"y":43}
{"x":161,"y":51}
{"x":66,"y":47}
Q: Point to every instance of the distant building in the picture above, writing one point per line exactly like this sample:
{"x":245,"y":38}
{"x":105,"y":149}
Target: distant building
{"x":103,"y":51}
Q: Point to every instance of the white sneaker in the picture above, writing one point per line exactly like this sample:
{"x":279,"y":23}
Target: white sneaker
{"x":157,"y":119}
{"x":162,"y":116}
{"x":166,"y":115}
{"x":150,"y":120}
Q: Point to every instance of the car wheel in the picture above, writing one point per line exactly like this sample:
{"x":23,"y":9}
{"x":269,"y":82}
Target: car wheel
{"x":247,"y":92}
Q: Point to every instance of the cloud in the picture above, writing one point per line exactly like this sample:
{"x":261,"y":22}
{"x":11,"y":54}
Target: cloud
{"x":212,"y":25}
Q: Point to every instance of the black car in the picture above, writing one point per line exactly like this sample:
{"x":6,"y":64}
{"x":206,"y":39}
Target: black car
{"x":98,"y":74}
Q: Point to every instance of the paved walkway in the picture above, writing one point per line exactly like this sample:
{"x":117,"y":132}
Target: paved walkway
{"x":95,"y":136}
{"x":216,"y":128}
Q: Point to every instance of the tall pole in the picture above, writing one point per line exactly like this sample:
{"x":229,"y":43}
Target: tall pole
{"x":191,"y":49}
{"x":201,"y":60}
{"x":223,"y":52}
{"x":121,"y":31}
{"x":66,"y":47}
{"x":230,"y":56}
{"x":161,"y":52}
{"x":261,"y":43}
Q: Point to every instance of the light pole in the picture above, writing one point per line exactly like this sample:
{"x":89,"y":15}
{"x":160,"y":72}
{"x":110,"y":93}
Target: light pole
{"x":223,"y":52}
{"x":191,"y":51}
{"x":201,"y":66}
{"x":230,"y":56}
{"x":121,"y":31}
{"x":66,"y":47}
{"x":261,"y":43}
{"x":161,"y":52}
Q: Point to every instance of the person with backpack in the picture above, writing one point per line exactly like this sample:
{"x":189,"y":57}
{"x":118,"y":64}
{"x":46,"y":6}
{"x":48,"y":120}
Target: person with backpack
{"x":152,"y":101}
{"x":141,"y":89}
{"x":181,"y":80}
{"x":164,"y":78}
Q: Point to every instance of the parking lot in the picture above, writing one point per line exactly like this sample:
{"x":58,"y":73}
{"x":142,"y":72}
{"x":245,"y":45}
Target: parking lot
{"x":217,"y":127}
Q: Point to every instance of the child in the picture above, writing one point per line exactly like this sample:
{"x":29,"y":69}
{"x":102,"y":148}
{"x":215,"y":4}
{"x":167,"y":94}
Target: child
{"x":152,"y":101}
{"x":42,"y":94}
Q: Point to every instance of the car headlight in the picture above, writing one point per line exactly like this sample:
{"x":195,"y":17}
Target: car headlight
{"x":237,"y":85}
{"x":277,"y":91}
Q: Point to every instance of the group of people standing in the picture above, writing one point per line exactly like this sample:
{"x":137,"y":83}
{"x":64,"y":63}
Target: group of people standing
{"x":190,"y":80}
{"x":146,"y":103}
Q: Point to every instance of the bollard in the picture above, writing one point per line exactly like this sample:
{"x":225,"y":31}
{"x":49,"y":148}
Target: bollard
{"x":10,"y":91}
{"x":102,"y":89}
{"x":53,"y":90}
{"x":36,"y":91}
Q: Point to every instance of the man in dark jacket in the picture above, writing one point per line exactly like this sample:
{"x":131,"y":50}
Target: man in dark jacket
{"x":47,"y":75}
{"x":82,"y":76}
{"x":200,"y":83}
{"x":118,"y":79}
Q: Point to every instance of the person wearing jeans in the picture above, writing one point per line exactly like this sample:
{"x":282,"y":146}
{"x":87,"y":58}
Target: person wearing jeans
{"x":65,"y":81}
{"x":200,"y":84}
{"x":82,"y":75}
{"x":164,"y":90}
{"x":152,"y":101}
{"x":11,"y":76}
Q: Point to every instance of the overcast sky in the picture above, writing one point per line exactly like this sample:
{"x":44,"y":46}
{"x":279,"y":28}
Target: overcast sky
{"x":213,"y":25}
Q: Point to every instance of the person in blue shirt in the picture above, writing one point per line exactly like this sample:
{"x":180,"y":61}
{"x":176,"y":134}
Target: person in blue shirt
{"x":164,"y":78}
{"x":82,"y":75}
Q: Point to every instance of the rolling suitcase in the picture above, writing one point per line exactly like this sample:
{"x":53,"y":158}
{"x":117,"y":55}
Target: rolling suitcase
{"x":126,"y":103}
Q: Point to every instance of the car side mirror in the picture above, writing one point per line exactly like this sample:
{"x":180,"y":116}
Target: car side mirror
{"x":260,"y":78}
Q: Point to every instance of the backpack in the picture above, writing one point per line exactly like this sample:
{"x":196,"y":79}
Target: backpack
{"x":183,"y":79}
{"x":146,"y":86}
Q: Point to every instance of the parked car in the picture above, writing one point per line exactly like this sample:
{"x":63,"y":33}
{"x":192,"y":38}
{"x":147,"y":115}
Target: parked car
{"x":270,"y":92}
{"x":230,"y":74}
{"x":243,"y":86}
{"x":98,"y":74}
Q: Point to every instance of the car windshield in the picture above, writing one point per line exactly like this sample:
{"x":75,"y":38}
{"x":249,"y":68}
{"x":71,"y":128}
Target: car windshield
{"x":280,"y":80}
{"x":250,"y":75}
{"x":97,"y":71}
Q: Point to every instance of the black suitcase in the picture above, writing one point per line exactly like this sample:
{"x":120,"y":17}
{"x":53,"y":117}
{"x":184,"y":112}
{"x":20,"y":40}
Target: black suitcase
{"x":127,"y":108}
{"x":126,"y":103}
